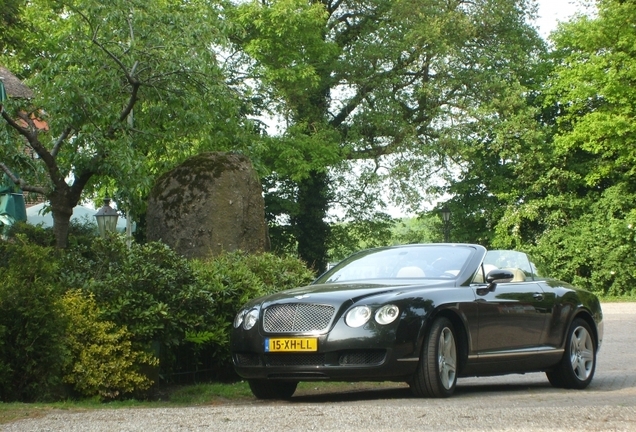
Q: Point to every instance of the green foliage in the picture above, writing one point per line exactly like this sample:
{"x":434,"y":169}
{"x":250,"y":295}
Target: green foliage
{"x":32,"y":349}
{"x":570,"y":200}
{"x":80,"y":233}
{"x":131,"y":302}
{"x":182,"y":309}
{"x":148,"y":288}
{"x":425,"y":228}
{"x":381,"y":96}
{"x":103,"y":361}
{"x":127,"y":88}
{"x":595,"y":251}
{"x":349,"y":237}
{"x":277,"y":273}
{"x":10,"y":22}
{"x":594,"y":87}
{"x":233,"y":278}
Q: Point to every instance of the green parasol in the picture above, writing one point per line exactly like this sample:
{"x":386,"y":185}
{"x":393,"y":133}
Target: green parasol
{"x":3,"y":92}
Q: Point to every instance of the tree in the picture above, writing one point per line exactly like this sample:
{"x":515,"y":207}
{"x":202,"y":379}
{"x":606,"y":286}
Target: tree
{"x":126,"y":88}
{"x":374,"y":95}
{"x":10,"y":22}
{"x":581,"y":214}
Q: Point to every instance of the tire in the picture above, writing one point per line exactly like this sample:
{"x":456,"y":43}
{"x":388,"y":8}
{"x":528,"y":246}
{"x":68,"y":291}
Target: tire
{"x":436,"y":374}
{"x":576,"y":368}
{"x":265,"y":389}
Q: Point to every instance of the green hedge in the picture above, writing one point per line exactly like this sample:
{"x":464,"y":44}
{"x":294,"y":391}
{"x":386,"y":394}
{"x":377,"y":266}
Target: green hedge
{"x":138,"y":303}
{"x":32,"y":347}
{"x":103,"y":360}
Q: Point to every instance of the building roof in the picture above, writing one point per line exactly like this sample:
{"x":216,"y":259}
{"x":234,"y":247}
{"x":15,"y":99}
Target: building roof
{"x":13,"y":86}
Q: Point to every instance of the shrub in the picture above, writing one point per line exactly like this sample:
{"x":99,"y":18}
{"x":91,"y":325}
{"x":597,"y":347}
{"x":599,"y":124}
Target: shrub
{"x":80,"y":233}
{"x":147,"y":288}
{"x":103,"y":361}
{"x":135,"y":300}
{"x":32,"y":351}
{"x":279,"y":273}
{"x":233,"y":278}
{"x":596,"y":250}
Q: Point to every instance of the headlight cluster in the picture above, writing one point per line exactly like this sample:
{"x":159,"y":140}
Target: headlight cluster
{"x":247,"y":318}
{"x":360,"y":315}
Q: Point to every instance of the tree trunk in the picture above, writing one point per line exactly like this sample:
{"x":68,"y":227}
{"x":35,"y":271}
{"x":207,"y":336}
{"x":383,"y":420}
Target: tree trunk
{"x":62,"y":211}
{"x":309,"y":223}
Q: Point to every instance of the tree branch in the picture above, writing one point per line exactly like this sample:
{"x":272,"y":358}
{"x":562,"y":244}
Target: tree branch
{"x":60,"y":141}
{"x":22,"y":131}
{"x":20,"y":182}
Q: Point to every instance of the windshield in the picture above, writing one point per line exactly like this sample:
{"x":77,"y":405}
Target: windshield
{"x":407,"y":262}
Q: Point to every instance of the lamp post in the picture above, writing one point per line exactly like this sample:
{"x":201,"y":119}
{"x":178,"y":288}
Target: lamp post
{"x":446,"y":214}
{"x":106,"y":218}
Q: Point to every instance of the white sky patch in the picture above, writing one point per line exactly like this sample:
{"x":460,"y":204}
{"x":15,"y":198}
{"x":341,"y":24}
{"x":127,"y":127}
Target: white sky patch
{"x":552,"y":12}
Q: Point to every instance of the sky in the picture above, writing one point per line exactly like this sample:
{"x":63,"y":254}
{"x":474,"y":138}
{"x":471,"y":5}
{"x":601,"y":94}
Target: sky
{"x":552,"y":11}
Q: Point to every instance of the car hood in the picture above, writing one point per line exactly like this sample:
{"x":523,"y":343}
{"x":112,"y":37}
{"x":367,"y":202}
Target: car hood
{"x":338,"y":293}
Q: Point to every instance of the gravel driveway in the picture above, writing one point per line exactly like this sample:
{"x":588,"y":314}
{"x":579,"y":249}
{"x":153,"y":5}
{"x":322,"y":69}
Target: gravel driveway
{"x":510,"y":403}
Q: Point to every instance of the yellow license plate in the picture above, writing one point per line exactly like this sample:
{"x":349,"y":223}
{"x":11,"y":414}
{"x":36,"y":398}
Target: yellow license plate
{"x":290,"y":345}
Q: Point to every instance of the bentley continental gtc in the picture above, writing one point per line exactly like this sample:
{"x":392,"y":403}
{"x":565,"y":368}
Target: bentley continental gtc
{"x":422,"y":314}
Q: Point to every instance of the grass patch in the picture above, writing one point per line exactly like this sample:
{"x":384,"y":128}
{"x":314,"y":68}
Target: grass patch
{"x":200,"y":394}
{"x":10,"y":412}
{"x":618,"y":299}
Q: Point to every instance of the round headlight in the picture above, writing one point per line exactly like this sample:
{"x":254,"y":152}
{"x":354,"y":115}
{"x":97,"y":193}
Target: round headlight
{"x":387,"y":314}
{"x":250,"y":319}
{"x":358,"y":316}
{"x":238,"y":319}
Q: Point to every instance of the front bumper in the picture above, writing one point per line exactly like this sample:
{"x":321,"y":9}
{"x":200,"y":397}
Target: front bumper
{"x":372,"y":353}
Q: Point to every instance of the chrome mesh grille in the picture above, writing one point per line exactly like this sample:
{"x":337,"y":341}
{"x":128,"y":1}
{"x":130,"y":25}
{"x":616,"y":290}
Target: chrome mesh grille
{"x":297,"y":317}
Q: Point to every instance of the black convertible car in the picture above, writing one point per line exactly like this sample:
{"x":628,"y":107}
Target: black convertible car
{"x":424,"y":314}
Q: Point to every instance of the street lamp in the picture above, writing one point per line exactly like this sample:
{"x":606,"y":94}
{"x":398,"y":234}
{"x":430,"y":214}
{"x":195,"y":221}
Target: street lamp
{"x":106,"y":218}
{"x":446,"y":214}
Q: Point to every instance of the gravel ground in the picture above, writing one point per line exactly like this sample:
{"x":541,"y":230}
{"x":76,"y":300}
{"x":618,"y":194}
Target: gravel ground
{"x":511,"y":403}
{"x":340,"y":417}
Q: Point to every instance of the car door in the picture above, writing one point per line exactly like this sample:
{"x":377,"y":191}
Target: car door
{"x":511,"y":318}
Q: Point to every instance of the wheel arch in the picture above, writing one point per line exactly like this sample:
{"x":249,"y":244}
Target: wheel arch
{"x":586,"y":316}
{"x":461,"y":333}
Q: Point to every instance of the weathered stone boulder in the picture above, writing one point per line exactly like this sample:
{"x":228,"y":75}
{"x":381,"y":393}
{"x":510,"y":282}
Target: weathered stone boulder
{"x":210,"y":203}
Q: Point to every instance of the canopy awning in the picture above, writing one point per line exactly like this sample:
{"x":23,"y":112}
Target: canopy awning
{"x":3,"y":92}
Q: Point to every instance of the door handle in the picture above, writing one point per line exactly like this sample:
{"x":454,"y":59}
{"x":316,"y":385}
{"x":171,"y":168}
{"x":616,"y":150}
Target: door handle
{"x":538,"y":296}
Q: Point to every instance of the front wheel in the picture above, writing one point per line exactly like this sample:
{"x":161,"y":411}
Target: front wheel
{"x":436,"y":374}
{"x":265,"y":389}
{"x":576,"y":369}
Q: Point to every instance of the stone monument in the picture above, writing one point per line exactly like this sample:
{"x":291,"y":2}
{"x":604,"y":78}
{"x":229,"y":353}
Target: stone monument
{"x":210,"y":203}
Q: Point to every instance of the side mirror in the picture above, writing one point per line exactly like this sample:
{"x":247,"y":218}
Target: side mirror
{"x":498,"y":276}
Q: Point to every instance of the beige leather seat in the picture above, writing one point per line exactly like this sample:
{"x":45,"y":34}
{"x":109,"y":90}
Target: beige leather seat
{"x":519,"y":275}
{"x":410,"y":272}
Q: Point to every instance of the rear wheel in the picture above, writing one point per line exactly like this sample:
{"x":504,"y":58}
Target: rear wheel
{"x":577,"y":366}
{"x":436,"y":374}
{"x":265,"y":389}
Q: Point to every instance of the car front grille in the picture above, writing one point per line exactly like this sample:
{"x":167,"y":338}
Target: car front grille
{"x":295,"y":359}
{"x":297,"y":318}
{"x":349,"y":358}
